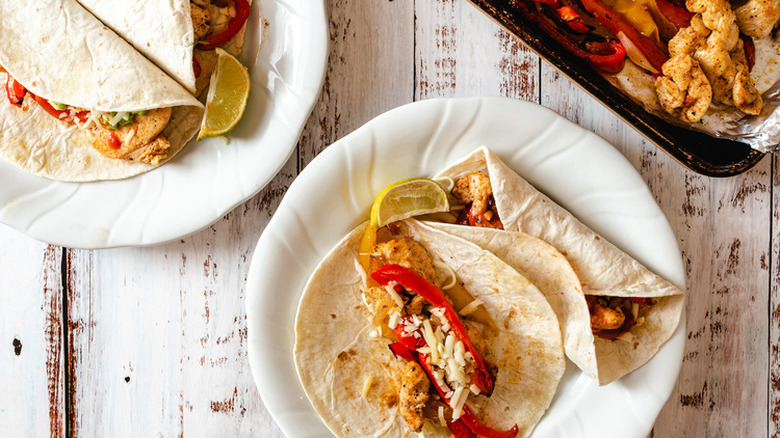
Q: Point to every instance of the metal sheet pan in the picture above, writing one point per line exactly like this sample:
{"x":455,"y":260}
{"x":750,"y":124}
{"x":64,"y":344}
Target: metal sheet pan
{"x":697,"y":151}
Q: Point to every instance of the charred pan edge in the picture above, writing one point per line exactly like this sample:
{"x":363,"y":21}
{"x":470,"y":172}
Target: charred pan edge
{"x":697,"y":151}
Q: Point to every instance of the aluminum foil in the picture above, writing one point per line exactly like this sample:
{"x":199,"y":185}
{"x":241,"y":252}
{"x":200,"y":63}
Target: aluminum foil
{"x":761,"y":132}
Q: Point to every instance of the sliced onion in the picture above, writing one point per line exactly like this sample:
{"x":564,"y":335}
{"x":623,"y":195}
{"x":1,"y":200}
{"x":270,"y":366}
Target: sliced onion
{"x":634,"y":54}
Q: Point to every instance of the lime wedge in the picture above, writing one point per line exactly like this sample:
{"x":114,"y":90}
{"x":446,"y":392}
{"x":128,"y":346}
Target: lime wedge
{"x":228,"y":93}
{"x":407,"y":198}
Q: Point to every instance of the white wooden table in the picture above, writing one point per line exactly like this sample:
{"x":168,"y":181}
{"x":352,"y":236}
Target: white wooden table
{"x":152,"y":342}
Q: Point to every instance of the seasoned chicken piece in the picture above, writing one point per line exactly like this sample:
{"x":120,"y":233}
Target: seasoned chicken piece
{"x":134,"y":136}
{"x":684,"y":90}
{"x":604,"y":318}
{"x":415,"y":306}
{"x":714,"y":55}
{"x":154,"y":153}
{"x":201,"y":21}
{"x":712,"y":40}
{"x":717,"y":16}
{"x":746,"y":97}
{"x":757,"y":18}
{"x":409,"y":254}
{"x":690,"y":38}
{"x":475,"y":188}
{"x":413,"y":394}
{"x":379,"y":302}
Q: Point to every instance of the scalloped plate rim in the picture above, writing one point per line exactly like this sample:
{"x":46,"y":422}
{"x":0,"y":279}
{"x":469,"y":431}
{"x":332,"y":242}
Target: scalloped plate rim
{"x":270,"y":357}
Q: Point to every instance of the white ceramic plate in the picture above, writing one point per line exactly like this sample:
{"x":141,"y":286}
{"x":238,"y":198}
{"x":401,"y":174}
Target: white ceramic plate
{"x":570,"y":164}
{"x":209,"y":178}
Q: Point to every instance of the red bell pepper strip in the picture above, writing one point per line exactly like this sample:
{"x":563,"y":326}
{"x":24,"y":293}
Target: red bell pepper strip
{"x":401,"y":351}
{"x":459,"y":429}
{"x":750,"y":50}
{"x":58,"y":114}
{"x":639,"y":300}
{"x":196,"y":67}
{"x":482,"y":376}
{"x":617,"y":23}
{"x":15,"y":91}
{"x":472,"y":423}
{"x":406,"y":338}
{"x":678,"y":16}
{"x":215,"y":40}
{"x":572,"y":19}
{"x":609,"y":62}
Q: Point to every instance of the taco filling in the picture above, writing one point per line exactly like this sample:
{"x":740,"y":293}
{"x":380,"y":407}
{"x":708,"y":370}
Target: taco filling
{"x":443,"y":350}
{"x":215,"y":22}
{"x":133,"y":136}
{"x":611,"y":317}
{"x":476,"y":194}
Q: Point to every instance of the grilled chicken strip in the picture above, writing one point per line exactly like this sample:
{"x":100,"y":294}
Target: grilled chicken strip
{"x":413,"y":395}
{"x":140,"y":140}
{"x":409,"y":254}
{"x":757,"y":18}
{"x":475,"y":188}
{"x":201,"y":21}
{"x":684,"y":90}
{"x":604,"y":318}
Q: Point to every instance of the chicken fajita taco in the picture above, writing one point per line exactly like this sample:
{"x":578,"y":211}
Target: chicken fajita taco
{"x":179,"y":36}
{"x":409,"y":331}
{"x":81,"y":104}
{"x":615,"y":314}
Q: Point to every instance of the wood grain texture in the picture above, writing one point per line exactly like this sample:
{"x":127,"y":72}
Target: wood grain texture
{"x":154,"y":339}
{"x":368,"y":71}
{"x":32,"y":373}
{"x":461,"y":52}
{"x":722,"y":226}
{"x":158,"y":341}
{"x":774,"y":308}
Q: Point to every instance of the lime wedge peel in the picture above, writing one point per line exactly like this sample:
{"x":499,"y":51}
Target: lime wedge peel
{"x":227,"y":97}
{"x":408,"y":198}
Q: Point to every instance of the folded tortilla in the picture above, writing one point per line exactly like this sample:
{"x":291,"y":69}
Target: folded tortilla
{"x":61,"y":53}
{"x":601,"y":268}
{"x":336,"y":354}
{"x":163,"y":32}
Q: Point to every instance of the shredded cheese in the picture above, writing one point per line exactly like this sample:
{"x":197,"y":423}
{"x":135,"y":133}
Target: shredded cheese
{"x":430,"y":339}
{"x":471,"y":307}
{"x":129,"y":136}
{"x":361,"y":271}
{"x":365,"y":303}
{"x":453,"y":279}
{"x":397,"y":298}
{"x":395,"y":317}
{"x":459,"y":353}
{"x":367,"y":385}
{"x":442,"y":421}
{"x":457,"y":402}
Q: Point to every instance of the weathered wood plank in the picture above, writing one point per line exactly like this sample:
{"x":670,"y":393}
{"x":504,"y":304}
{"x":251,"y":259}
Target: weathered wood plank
{"x":31,"y":334}
{"x":158,"y":335}
{"x":722,"y":226}
{"x":460,"y":52}
{"x":773,"y":414}
{"x":369,"y":70}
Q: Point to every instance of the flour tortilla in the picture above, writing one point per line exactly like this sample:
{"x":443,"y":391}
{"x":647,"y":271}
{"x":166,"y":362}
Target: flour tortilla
{"x":162,"y":31}
{"x":335,"y":354}
{"x":602,"y":269}
{"x":60,"y":52}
